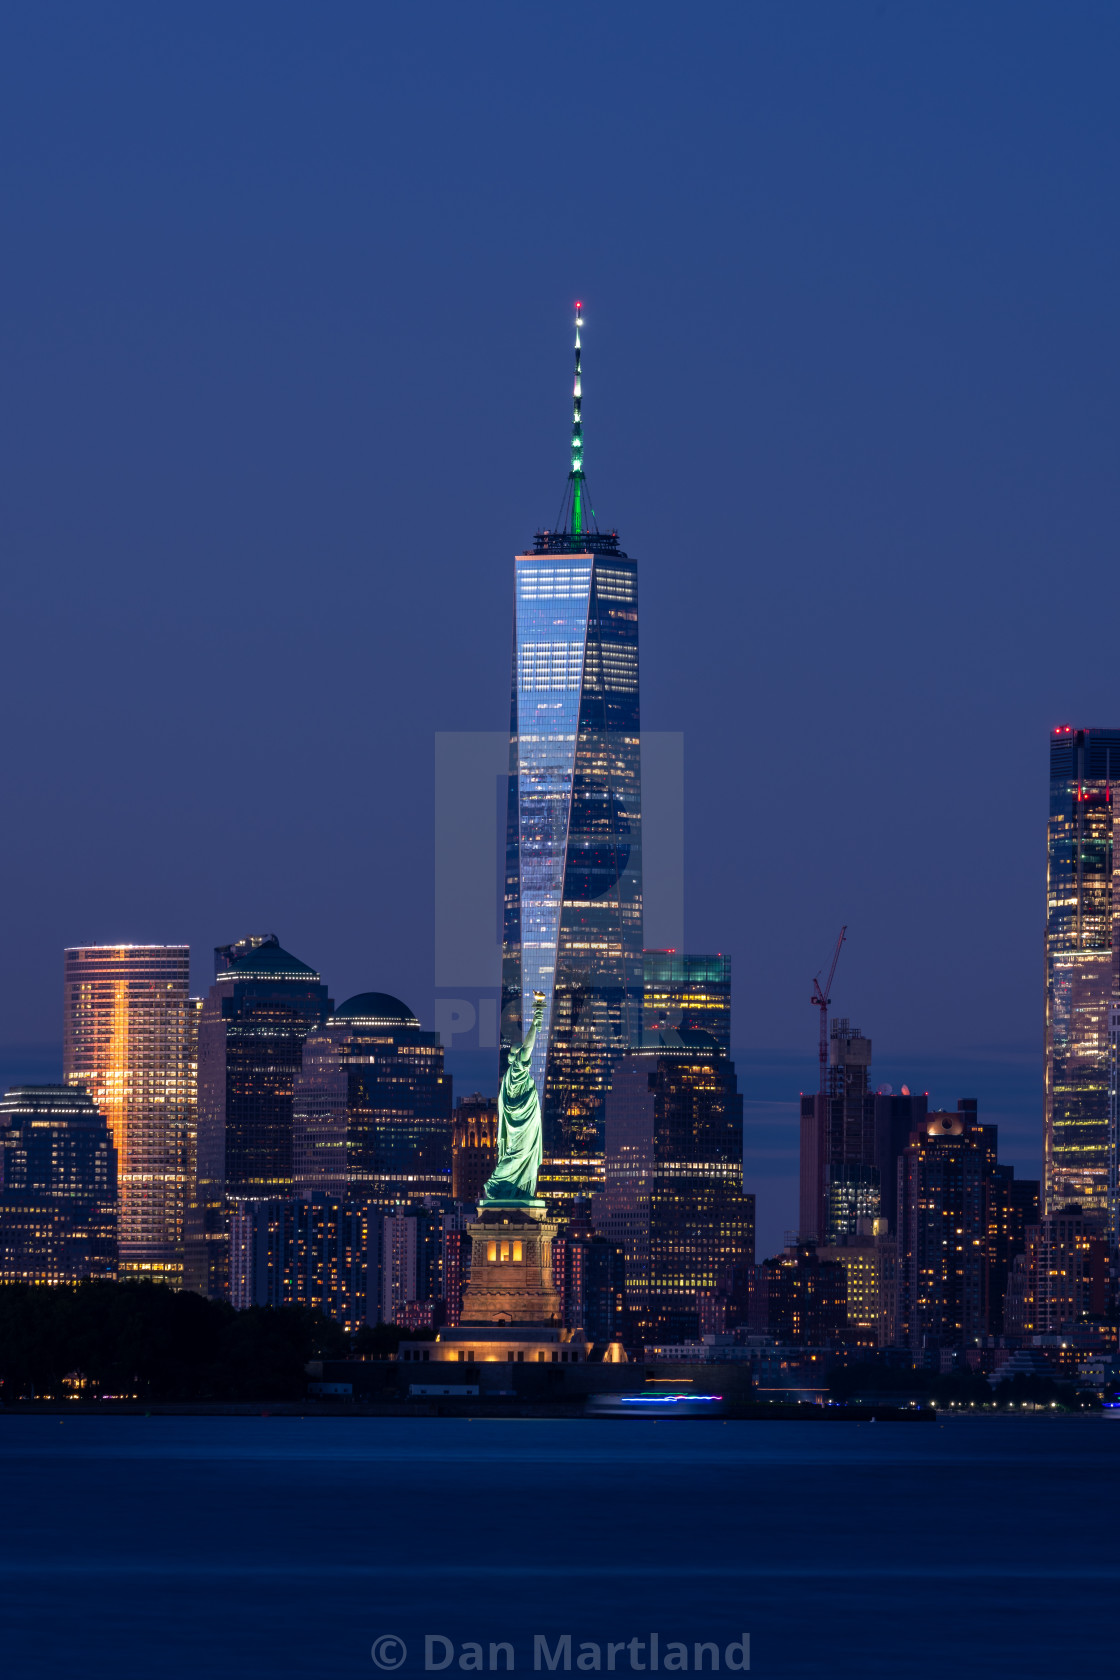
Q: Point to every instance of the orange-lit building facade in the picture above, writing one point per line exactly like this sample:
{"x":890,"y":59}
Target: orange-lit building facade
{"x":474,"y":1146}
{"x":127,"y":1041}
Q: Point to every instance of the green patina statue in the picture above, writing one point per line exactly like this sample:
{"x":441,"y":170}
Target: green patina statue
{"x":513,"y":1182}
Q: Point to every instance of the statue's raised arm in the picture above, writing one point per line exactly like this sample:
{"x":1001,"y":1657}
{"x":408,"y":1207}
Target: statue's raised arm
{"x":530,"y":1038}
{"x":514,"y":1179}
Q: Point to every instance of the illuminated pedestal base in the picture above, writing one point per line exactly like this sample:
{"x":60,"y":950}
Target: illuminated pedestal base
{"x":511,"y":1268}
{"x":511,"y":1309}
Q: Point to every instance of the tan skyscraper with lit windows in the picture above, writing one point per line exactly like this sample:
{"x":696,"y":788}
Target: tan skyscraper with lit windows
{"x":127,"y":1041}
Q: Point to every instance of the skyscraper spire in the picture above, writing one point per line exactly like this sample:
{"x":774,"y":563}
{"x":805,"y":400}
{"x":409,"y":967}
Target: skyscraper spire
{"x":576,"y":530}
{"x":576,"y":474}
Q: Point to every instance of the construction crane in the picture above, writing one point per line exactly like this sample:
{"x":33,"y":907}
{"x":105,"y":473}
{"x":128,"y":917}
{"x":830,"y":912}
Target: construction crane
{"x":822,"y":1001}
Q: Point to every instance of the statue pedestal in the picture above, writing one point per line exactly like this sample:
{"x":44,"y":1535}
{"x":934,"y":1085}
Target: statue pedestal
{"x":511,"y":1311}
{"x":511,"y":1267}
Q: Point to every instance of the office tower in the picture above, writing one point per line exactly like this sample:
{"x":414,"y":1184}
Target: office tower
{"x":942,"y":1234}
{"x":686,"y":992}
{"x":126,"y":1040}
{"x":320,"y":1253}
{"x":474,"y":1146}
{"x":456,"y":1264}
{"x":898,"y":1115}
{"x":869,"y":1259}
{"x":963,"y":1218}
{"x":412,"y":1256}
{"x":251,"y":1033}
{"x":800,"y":1297}
{"x":839,"y":1177}
{"x":348,"y":1259}
{"x":573,"y":888}
{"x":1062,"y":1276}
{"x":1082,"y":950}
{"x":730,"y":1305}
{"x":943,"y":1231}
{"x":1012,"y":1207}
{"x":589,"y":1273}
{"x":1112,"y":1211}
{"x":673,"y":1197}
{"x":190,"y":1193}
{"x":372,"y":1106}
{"x":58,"y":1187}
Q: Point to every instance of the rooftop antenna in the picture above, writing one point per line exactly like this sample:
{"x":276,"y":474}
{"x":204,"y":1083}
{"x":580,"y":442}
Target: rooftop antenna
{"x":576,"y":474}
{"x":577,"y":517}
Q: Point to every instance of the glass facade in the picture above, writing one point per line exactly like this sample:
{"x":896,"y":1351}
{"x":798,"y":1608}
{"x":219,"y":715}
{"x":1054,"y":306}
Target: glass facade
{"x":673,"y":1198}
{"x":127,"y":1042}
{"x":1114,"y":1125}
{"x":1081,"y":966}
{"x":372,"y":1106}
{"x":684,"y":992}
{"x":251,"y":1032}
{"x":58,"y":1187}
{"x":573,"y":895}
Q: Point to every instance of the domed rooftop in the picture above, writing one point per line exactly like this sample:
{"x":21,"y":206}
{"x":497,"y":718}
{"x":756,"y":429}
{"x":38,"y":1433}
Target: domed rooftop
{"x":376,"y":1006}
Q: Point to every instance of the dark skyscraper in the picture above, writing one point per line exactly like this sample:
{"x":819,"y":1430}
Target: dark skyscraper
{"x":372,"y":1106}
{"x":318,"y":1253}
{"x":684,"y":991}
{"x":590,"y":1277}
{"x":839,"y":1177}
{"x":573,"y":891}
{"x":1012,"y":1208}
{"x":942,"y":1233}
{"x":251,"y":1034}
{"x":962,"y":1219}
{"x":1081,"y":966}
{"x":58,"y":1187}
{"x":801,"y":1296}
{"x":898,"y":1115}
{"x":674,"y":1197}
{"x":1063,"y":1272}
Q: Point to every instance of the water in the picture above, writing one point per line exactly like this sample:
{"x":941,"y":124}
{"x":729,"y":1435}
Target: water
{"x":213,"y":1547}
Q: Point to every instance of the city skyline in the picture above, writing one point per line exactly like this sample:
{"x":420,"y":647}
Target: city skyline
{"x":437,"y":761}
{"x":833,"y":445}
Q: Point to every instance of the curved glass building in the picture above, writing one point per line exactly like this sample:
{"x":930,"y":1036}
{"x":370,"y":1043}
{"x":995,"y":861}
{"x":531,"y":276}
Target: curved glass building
{"x":573,"y":885}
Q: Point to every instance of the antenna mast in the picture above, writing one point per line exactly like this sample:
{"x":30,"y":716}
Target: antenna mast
{"x":576,"y":474}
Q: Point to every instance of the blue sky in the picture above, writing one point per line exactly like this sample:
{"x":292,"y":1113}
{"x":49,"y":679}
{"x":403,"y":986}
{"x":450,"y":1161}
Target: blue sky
{"x":286,"y":304}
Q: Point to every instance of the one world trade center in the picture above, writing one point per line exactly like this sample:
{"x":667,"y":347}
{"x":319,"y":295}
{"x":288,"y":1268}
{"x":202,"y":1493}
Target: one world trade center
{"x":573,"y":878}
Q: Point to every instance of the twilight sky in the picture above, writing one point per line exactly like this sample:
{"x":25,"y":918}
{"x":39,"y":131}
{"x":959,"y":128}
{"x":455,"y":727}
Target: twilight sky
{"x":286,"y":301}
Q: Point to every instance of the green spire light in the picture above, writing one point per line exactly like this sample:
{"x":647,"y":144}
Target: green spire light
{"x":576,"y":474}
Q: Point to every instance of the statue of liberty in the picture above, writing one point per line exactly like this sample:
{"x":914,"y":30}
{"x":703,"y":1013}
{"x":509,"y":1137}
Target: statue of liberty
{"x":514,"y":1179}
